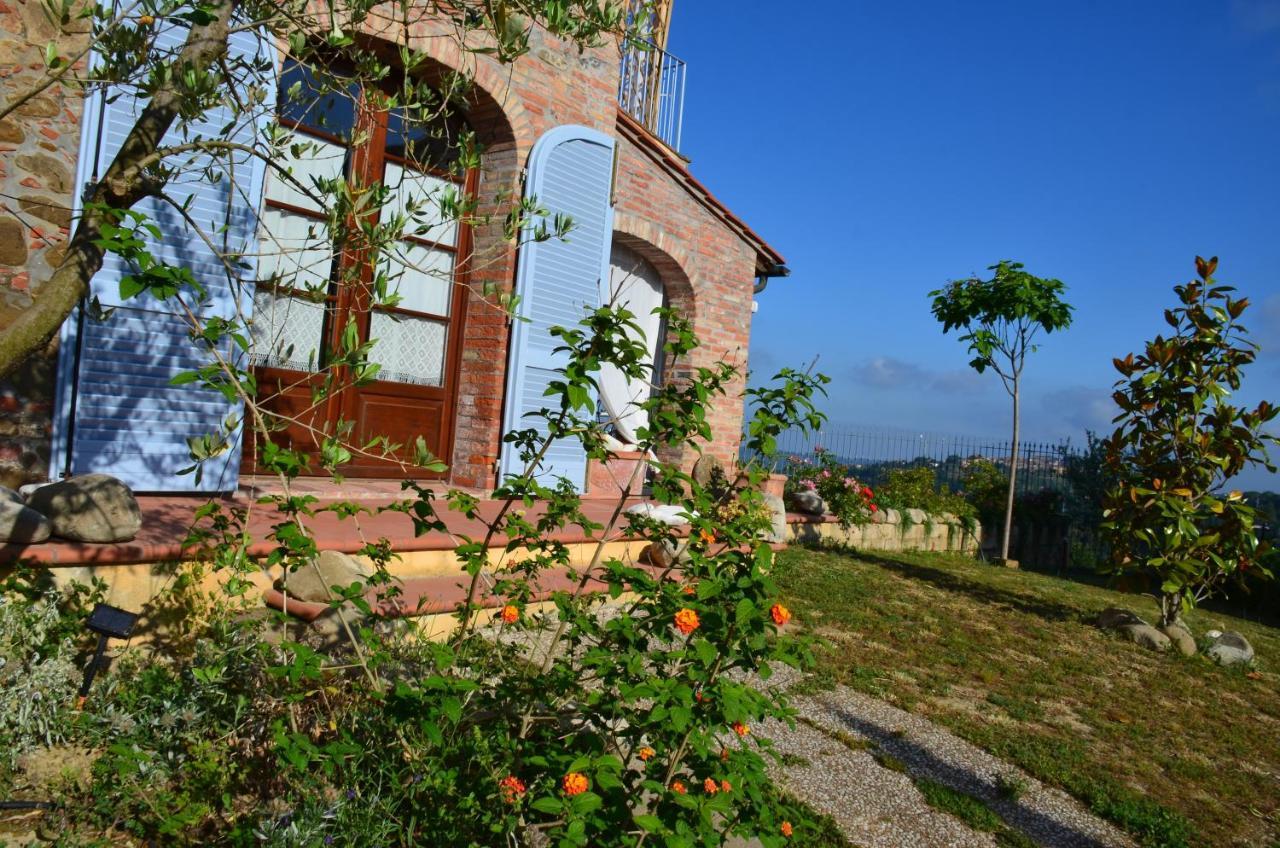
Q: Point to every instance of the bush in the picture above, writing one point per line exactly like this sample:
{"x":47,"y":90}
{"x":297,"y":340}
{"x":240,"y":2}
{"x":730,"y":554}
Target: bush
{"x":603,"y":721}
{"x":917,"y":488}
{"x":845,"y":497}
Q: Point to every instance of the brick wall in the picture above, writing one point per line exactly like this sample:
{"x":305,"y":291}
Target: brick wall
{"x":707,"y":267}
{"x":38,"y":145}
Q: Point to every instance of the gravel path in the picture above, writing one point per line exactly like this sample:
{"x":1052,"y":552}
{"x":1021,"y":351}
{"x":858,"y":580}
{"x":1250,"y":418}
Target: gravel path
{"x":839,"y":736}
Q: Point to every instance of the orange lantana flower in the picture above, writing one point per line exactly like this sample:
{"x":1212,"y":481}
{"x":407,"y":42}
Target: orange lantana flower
{"x":710,"y":786}
{"x":780,"y":614}
{"x":689,"y":589}
{"x":726,"y":786}
{"x":646,"y":754}
{"x":512,"y":788}
{"x":740,"y":728}
{"x":677,"y":786}
{"x":786,"y":829}
{"x":706,"y":537}
{"x":511,"y":613}
{"x":686,"y":621}
{"x":574,"y":783}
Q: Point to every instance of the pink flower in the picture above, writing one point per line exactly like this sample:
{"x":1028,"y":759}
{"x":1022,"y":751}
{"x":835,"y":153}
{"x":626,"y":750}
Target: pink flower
{"x":850,"y":483}
{"x":825,"y":474}
{"x":809,"y":484}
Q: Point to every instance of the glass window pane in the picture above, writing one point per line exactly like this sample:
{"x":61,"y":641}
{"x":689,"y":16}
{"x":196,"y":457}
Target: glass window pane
{"x":410,"y":350}
{"x":320,"y":160}
{"x":295,"y":250}
{"x":324,"y":101}
{"x":286,"y":332}
{"x":426,"y":139}
{"x":425,"y":191}
{"x":422,"y":276}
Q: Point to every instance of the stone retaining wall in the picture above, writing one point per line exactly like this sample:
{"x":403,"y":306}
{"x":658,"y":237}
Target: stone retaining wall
{"x":891,"y":530}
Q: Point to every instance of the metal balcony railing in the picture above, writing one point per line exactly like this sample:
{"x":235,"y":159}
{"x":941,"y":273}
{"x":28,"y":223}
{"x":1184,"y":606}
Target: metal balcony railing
{"x":651,"y":90}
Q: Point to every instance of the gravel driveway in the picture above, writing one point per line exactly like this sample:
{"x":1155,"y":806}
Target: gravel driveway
{"x":833,"y":766}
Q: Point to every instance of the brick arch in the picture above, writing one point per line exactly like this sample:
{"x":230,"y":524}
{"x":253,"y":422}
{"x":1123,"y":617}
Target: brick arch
{"x":499,"y":119}
{"x":664,"y":253}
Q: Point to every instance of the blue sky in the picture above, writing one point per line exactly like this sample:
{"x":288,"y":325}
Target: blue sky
{"x":886,"y":148}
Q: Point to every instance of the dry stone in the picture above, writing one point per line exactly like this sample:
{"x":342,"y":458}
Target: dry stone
{"x":10,"y":132}
{"x":778,"y":530}
{"x":21,"y":525}
{"x":1181,"y":638}
{"x":13,"y":242}
{"x":808,"y":503}
{"x":1146,"y":636}
{"x":89,"y":508}
{"x":52,"y":172}
{"x":50,"y":210}
{"x":1230,"y":648}
{"x":1113,"y":618}
{"x":334,"y":569}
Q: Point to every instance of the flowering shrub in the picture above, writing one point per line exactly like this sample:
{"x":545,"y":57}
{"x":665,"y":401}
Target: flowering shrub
{"x":606,"y":720}
{"x":846,"y":498}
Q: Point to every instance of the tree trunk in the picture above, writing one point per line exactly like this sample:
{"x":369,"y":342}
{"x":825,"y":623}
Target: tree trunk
{"x":1013,"y":471}
{"x":123,"y":185}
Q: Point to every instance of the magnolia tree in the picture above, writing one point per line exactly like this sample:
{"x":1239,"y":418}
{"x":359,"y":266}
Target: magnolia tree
{"x":1179,"y":441}
{"x":1001,"y":318}
{"x":621,"y":710}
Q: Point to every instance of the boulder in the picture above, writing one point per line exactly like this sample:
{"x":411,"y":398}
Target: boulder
{"x":779,"y":531}
{"x":1146,"y":636}
{"x":665,"y":553}
{"x":808,"y":503}
{"x":1113,"y":618}
{"x":21,"y":525}
{"x":666,"y":513}
{"x":709,"y":471}
{"x":1230,"y":648}
{"x":1181,"y":638}
{"x":89,"y":508}
{"x":334,"y":569}
{"x":917,"y":516}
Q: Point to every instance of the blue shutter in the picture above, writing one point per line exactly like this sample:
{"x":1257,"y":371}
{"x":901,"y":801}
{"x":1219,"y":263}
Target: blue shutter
{"x":570,"y":172}
{"x":121,"y":416}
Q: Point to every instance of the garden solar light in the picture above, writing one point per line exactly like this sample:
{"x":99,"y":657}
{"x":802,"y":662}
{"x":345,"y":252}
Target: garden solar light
{"x":109,"y":623}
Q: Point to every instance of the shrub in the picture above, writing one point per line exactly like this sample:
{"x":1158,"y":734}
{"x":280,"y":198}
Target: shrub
{"x":845,"y":497}
{"x":591,"y":724}
{"x":917,"y":488}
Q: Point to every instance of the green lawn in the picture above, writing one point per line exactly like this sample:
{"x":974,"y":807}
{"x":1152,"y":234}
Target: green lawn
{"x":1175,"y":750}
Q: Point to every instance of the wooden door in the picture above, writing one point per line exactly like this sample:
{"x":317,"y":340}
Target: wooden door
{"x":409,"y":302}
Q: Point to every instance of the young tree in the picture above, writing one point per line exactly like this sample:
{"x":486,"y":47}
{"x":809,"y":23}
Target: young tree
{"x":1178,"y":442}
{"x":1001,"y":317}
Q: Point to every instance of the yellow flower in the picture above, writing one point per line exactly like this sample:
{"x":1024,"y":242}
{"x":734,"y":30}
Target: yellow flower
{"x":646,"y":754}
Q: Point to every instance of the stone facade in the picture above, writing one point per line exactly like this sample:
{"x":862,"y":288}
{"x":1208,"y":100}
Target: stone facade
{"x":707,"y":258}
{"x":38,"y":146}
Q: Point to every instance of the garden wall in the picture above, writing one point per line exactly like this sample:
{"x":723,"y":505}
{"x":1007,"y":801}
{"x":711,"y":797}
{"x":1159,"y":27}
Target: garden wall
{"x":891,"y":530}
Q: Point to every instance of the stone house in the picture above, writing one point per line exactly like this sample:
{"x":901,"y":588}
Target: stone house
{"x":595,"y":134}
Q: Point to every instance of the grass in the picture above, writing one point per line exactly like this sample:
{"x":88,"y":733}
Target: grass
{"x":1174,"y":750}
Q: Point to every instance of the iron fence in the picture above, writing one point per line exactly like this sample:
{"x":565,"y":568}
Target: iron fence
{"x":873,"y":453}
{"x":1055,"y":523}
